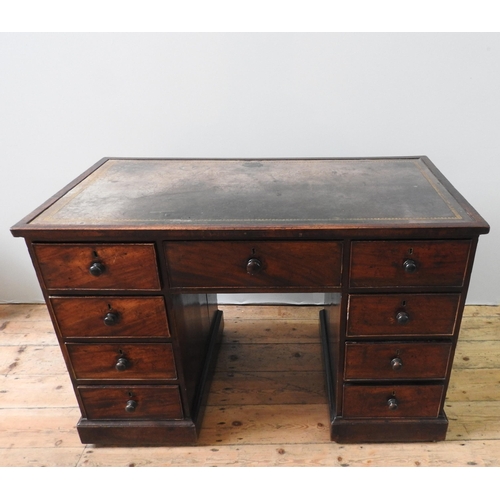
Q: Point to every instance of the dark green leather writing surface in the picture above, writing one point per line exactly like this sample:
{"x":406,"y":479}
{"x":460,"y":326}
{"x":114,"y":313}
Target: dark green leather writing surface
{"x":255,"y":193}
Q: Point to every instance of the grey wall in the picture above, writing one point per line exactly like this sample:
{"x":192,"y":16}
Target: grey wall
{"x":66,"y":100}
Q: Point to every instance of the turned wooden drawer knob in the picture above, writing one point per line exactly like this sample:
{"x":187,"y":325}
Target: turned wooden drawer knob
{"x":254,"y":266}
{"x":122,"y":364}
{"x":392,"y":403}
{"x":396,"y":363}
{"x":131,"y":405}
{"x":402,"y":318}
{"x":96,"y":268}
{"x":410,"y":266}
{"x":111,"y":319}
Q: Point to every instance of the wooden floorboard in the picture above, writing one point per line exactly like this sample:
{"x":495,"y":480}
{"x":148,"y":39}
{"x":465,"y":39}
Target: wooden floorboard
{"x":267,"y":405}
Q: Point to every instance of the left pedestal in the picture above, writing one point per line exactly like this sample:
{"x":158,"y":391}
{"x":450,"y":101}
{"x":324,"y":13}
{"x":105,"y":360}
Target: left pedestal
{"x":140,"y":360}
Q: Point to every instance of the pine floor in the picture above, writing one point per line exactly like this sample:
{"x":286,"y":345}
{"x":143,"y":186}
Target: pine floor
{"x":267,"y":405}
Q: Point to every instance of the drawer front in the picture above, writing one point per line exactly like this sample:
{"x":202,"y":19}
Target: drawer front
{"x":131,"y":402}
{"x":123,"y":361}
{"x":396,"y":360}
{"x":253,"y":264}
{"x":110,"y":316}
{"x":395,"y":401}
{"x":408,"y":263}
{"x":98,"y":267}
{"x":402,"y":314}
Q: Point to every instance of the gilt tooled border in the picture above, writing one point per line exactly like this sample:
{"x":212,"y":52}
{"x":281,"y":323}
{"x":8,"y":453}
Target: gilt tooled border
{"x":48,"y":216}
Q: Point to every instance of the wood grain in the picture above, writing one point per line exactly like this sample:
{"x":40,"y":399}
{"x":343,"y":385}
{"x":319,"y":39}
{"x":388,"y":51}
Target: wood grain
{"x":270,"y":420}
{"x":143,"y":361}
{"x":416,"y":360}
{"x":109,"y":402}
{"x":429,"y":314}
{"x":131,"y":267}
{"x":217,"y":264}
{"x":380,"y":263}
{"x":135,"y":316}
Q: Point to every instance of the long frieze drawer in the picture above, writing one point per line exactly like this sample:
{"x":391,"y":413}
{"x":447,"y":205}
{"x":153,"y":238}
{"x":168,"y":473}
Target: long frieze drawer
{"x":402,"y":314}
{"x":110,"y":316}
{"x":395,"y":401}
{"x":408,"y":263}
{"x":131,"y":402}
{"x":242,"y":264}
{"x":396,"y":360}
{"x":122,"y":361}
{"x":98,"y":267}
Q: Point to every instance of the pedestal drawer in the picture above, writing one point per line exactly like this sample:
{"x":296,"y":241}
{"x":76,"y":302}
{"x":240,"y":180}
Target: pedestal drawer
{"x":131,"y":402}
{"x":402,"y":314}
{"x":401,"y":360}
{"x":123,"y":361}
{"x":98,"y":267}
{"x":409,"y":263}
{"x":241,"y":264}
{"x":393,"y":401}
{"x":110,"y":316}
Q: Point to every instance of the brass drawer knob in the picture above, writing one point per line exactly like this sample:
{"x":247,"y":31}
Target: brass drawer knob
{"x":111,"y":319}
{"x":392,"y":403}
{"x":396,"y":363}
{"x":254,"y":266}
{"x":97,"y":268}
{"x":410,"y":266}
{"x":122,"y":364}
{"x":131,"y":406}
{"x":402,"y":318}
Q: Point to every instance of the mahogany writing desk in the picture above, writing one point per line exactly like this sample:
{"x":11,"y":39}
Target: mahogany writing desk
{"x":130,"y":257}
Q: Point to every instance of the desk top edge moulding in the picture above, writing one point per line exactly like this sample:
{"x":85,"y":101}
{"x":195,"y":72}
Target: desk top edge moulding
{"x":256,"y":194}
{"x":131,"y":255}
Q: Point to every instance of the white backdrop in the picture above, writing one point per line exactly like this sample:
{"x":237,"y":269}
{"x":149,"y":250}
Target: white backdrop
{"x":66,"y":100}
